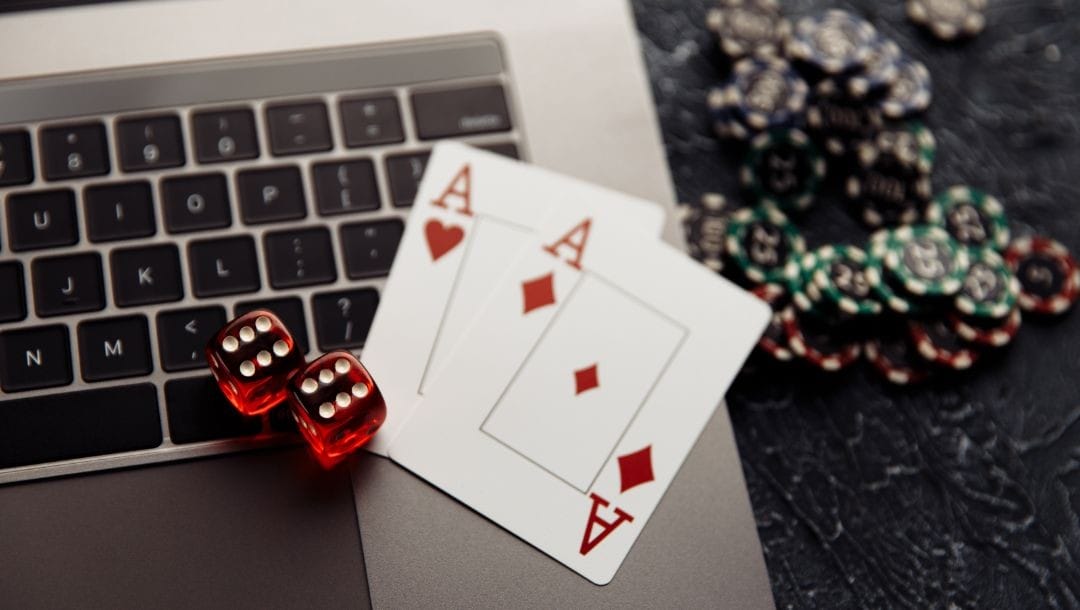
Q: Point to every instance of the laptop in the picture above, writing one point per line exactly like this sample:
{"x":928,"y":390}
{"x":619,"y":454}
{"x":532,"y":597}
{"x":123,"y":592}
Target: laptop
{"x":135,"y":140}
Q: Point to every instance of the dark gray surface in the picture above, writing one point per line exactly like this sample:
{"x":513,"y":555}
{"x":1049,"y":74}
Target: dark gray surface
{"x":265,"y":529}
{"x":965,"y":493}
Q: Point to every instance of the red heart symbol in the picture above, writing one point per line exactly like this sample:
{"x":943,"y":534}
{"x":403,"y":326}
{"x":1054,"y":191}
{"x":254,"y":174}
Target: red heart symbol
{"x":441,"y":238}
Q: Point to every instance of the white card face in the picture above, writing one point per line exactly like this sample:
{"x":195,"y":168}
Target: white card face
{"x":573,"y":398}
{"x":474,"y":212}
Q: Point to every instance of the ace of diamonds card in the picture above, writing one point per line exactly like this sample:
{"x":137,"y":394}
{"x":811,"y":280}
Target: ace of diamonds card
{"x":574,"y":396}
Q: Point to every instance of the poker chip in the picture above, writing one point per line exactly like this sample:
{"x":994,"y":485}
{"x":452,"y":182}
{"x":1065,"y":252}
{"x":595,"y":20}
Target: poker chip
{"x":783,"y":169}
{"x":926,"y":260}
{"x":890,"y":183}
{"x":1049,"y":276}
{"x":948,"y":19}
{"x":705,"y":227}
{"x":749,"y":27}
{"x":893,"y":296}
{"x":839,"y":121}
{"x":940,"y":344}
{"x":817,"y":344}
{"x":773,"y":294}
{"x":893,"y":355}
{"x":839,"y":274}
{"x":990,"y":290}
{"x":760,"y":241}
{"x":763,"y":93}
{"x":912,"y":145}
{"x":879,"y":71}
{"x":971,"y":216}
{"x":774,"y":341}
{"x":911,"y":92}
{"x":999,"y":335}
{"x":834,"y":42}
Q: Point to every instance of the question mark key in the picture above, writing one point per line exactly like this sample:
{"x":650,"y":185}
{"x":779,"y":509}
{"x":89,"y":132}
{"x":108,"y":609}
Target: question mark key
{"x":342,"y":319}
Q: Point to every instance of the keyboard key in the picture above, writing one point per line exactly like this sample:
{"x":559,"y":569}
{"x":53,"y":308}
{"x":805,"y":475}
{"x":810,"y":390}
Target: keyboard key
{"x":345,"y":187}
{"x":343,"y":319}
{"x":44,"y":219}
{"x":119,"y":211}
{"x":78,"y":424}
{"x":16,"y":166}
{"x":195,"y":203}
{"x":404,"y":173}
{"x":142,"y":276}
{"x":223,"y":266}
{"x":271,"y":195}
{"x":183,"y":334}
{"x":291,"y":312}
{"x":67,"y":284}
{"x":506,"y":149}
{"x":299,"y":258}
{"x":114,"y":348}
{"x":458,"y":112}
{"x":12,"y":292}
{"x":225,"y":135}
{"x":74,"y":151}
{"x":372,"y":120}
{"x":147,"y":143}
{"x":34,"y":358}
{"x":199,"y":412}
{"x":298,"y":128}
{"x":370,"y":247}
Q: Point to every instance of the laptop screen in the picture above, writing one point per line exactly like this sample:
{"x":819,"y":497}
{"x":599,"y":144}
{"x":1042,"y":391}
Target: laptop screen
{"x":11,"y":6}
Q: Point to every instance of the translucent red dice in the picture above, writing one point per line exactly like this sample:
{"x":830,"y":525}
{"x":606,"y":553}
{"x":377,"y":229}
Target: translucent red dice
{"x":253,"y":357}
{"x":336,"y":405}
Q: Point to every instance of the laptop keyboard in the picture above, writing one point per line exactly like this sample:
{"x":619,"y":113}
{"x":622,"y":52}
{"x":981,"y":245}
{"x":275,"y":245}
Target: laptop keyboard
{"x":131,"y":236}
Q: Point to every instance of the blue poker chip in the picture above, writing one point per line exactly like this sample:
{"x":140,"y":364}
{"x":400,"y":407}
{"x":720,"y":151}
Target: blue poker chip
{"x":834,"y":42}
{"x":880,"y":71}
{"x":911,"y":92}
{"x":762,"y":94}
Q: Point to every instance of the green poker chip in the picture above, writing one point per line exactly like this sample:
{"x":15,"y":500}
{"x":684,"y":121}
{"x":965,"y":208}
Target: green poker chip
{"x":839,"y":277}
{"x":972,"y":217}
{"x":990,"y":290}
{"x":883,"y":286}
{"x":761,"y":241}
{"x":784,"y":169}
{"x":926,"y":260}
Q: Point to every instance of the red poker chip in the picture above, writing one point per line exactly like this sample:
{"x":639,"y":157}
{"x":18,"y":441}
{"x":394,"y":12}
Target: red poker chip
{"x":774,"y":342}
{"x":940,"y":344}
{"x":998,"y":336}
{"x":1049,"y":276}
{"x":895,"y":358}
{"x":818,"y":345}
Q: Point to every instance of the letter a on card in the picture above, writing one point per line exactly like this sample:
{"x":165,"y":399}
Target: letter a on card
{"x":590,"y":540}
{"x":457,"y":195}
{"x":575,"y":239}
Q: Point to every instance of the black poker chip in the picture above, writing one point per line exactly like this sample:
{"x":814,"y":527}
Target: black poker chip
{"x":818,"y":344}
{"x":749,"y":28}
{"x":1049,"y":275}
{"x":949,"y":19}
{"x":878,"y":73}
{"x":783,"y":169}
{"x":972,"y":217}
{"x":760,"y":241}
{"x":763,"y":93}
{"x":705,"y":227}
{"x":834,"y":42}
{"x":839,"y":121}
{"x":888,"y":188}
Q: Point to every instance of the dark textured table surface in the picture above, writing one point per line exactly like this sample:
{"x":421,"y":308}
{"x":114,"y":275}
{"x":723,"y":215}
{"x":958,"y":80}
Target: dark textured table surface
{"x":965,"y":493}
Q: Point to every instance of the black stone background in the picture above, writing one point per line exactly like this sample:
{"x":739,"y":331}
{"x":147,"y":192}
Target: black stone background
{"x":965,"y":493}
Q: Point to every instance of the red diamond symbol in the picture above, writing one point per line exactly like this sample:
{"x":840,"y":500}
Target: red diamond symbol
{"x":635,"y":468}
{"x":585,"y":379}
{"x":539,"y":292}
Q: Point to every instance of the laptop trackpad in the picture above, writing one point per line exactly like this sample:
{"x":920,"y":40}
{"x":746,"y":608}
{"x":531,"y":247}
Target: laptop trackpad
{"x":264,"y":529}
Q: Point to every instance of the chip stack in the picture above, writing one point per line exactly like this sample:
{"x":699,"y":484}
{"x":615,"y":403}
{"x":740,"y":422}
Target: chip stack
{"x":940,"y":283}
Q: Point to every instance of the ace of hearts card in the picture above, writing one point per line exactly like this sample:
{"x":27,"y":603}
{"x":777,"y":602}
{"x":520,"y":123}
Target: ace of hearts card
{"x":573,"y":397}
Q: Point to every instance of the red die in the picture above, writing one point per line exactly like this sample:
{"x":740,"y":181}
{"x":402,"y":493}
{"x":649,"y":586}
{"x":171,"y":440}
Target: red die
{"x":253,"y":358}
{"x":336,"y":405}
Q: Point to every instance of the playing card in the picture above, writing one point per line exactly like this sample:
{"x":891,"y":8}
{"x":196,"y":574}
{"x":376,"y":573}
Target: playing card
{"x":573,"y":398}
{"x":474,"y":212}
